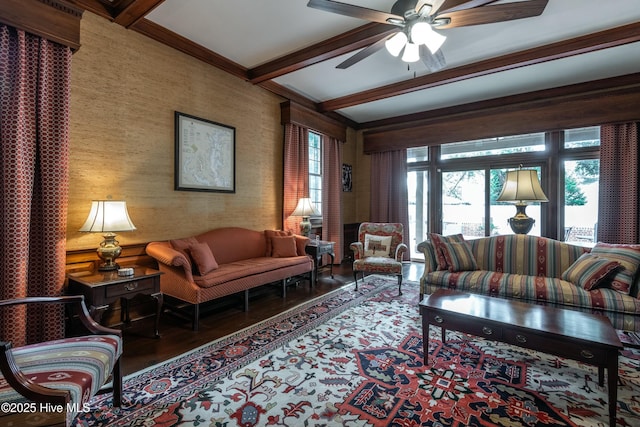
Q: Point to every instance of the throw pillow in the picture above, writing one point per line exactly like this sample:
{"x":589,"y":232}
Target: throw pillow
{"x":283,"y":246}
{"x":379,"y":246}
{"x":590,"y":271}
{"x":182,"y":246}
{"x":438,"y":240}
{"x":203,"y":259}
{"x":459,"y":256}
{"x":628,"y":256}
{"x":274,"y":233}
{"x":301,"y":243}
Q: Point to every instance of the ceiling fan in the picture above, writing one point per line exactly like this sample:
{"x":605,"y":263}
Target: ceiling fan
{"x":418,"y":18}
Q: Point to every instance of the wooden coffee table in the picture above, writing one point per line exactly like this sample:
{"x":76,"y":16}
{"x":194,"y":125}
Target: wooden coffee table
{"x":585,"y":337}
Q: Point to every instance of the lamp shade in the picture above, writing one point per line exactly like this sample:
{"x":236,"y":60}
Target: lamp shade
{"x":305,"y":208}
{"x":395,"y":44}
{"x":108,"y":216}
{"x":422,"y":33}
{"x":411,"y":52}
{"x":522,"y":185}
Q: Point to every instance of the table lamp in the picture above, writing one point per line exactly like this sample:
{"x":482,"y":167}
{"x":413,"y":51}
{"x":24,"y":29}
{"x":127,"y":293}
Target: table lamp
{"x":305,"y":209}
{"x":522,"y":186}
{"x":108,"y":216}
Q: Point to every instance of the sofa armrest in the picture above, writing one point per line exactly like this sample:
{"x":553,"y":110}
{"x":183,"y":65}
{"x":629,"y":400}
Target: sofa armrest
{"x":358,"y":250}
{"x":429,"y":252}
{"x":165,"y":254}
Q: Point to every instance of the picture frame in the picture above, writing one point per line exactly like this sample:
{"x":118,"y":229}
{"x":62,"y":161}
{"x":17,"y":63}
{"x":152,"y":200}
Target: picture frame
{"x":205,"y":155}
{"x":347,"y":180}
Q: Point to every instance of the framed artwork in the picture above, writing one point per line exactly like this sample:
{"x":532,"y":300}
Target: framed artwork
{"x":205,"y":156}
{"x":346,"y":177}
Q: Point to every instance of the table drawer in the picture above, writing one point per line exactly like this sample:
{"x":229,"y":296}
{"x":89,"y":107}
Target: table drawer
{"x":556,"y":346}
{"x":130,"y":288}
{"x":467,"y":325}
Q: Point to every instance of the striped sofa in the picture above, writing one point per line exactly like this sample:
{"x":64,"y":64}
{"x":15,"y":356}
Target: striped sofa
{"x":538,"y":270}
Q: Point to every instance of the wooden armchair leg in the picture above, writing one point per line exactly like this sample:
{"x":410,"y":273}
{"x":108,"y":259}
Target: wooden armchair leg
{"x":117,"y":384}
{"x":400,"y":284}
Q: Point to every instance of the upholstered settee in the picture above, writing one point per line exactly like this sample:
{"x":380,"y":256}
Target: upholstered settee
{"x":226,"y":261}
{"x":538,"y":270}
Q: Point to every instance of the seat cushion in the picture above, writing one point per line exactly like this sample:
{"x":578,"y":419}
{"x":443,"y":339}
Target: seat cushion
{"x":79,"y":365}
{"x":378,"y":265}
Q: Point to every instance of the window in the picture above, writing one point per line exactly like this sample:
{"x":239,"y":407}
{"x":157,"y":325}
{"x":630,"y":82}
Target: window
{"x":315,"y":170}
{"x":453,"y":187}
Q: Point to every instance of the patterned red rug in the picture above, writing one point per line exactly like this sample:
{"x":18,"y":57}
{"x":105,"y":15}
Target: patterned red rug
{"x":355,"y":359}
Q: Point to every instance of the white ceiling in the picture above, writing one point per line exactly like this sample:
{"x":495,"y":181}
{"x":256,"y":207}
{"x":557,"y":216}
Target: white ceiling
{"x":251,"y":33}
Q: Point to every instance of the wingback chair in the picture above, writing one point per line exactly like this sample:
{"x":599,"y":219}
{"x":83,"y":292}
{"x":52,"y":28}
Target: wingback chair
{"x":64,"y":373}
{"x":379,"y":249}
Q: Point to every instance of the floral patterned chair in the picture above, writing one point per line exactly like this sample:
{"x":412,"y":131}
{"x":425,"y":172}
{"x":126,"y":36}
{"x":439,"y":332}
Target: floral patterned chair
{"x":64,"y":373}
{"x":379,"y":249}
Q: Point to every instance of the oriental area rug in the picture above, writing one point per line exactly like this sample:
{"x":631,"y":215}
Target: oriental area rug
{"x":354,"y":358}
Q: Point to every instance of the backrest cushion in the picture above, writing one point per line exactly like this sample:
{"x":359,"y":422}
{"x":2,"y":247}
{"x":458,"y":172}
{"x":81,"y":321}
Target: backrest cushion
{"x":393,"y":229}
{"x":628,"y":256}
{"x":231,"y":244}
{"x":182,"y":246}
{"x":273,"y":233}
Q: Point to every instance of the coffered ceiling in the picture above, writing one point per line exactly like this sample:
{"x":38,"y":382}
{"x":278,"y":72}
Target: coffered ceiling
{"x":292,"y":50}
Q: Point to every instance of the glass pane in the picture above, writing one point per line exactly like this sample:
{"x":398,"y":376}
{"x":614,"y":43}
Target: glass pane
{"x":583,"y":137}
{"x":418,"y":185}
{"x":500,"y":212}
{"x":581,"y":186}
{"x":463,"y":205}
{"x":417,"y":154}
{"x":494,"y":146}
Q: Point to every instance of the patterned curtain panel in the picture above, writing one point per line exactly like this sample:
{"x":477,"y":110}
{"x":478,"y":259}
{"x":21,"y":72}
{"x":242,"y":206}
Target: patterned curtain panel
{"x":389,"y":194}
{"x":34,"y":122}
{"x":296,"y":173}
{"x":332,"y":228}
{"x":618,"y":212}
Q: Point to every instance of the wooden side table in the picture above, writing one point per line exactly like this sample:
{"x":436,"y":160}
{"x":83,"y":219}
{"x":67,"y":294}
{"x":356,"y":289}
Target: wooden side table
{"x":317,"y":248}
{"x":104,"y":288}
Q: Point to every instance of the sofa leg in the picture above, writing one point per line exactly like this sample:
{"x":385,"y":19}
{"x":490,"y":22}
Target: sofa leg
{"x":246,"y":300}
{"x":400,"y":284}
{"x":195,"y":325}
{"x":116,"y":375}
{"x":284,"y":288}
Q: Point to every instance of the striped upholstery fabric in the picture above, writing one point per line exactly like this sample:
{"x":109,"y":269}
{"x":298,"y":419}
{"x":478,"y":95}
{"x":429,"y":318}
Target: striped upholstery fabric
{"x":459,"y":256}
{"x":80,"y":365}
{"x":590,"y":271}
{"x":629,"y":257}
{"x":530,"y":268}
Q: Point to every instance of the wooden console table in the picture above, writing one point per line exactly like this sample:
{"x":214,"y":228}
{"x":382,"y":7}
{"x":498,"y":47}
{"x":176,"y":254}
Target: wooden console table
{"x":585,"y":337}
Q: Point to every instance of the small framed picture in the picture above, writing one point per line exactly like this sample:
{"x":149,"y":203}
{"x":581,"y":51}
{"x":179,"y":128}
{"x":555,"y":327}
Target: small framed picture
{"x":205,"y":156}
{"x":346,"y":177}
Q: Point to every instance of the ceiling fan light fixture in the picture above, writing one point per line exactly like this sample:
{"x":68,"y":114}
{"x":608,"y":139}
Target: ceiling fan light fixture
{"x":395,"y":44}
{"x":411,"y":52}
{"x":435,"y":41}
{"x":420,"y":32}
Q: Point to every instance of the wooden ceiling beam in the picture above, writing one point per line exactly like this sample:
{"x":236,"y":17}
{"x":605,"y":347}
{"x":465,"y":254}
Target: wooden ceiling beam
{"x":584,"y":44}
{"x":135,"y":11}
{"x":341,"y":44}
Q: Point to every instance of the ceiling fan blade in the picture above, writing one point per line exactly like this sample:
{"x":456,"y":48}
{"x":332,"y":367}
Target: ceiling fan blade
{"x":446,"y":6}
{"x":356,"y":12}
{"x":433,"y":61}
{"x":367,"y":51}
{"x":495,"y":13}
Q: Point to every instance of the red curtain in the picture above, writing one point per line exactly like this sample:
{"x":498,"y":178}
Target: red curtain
{"x":296,"y":173}
{"x":332,"y":228}
{"x":389,"y":194}
{"x":34,"y":134}
{"x":618,"y":211}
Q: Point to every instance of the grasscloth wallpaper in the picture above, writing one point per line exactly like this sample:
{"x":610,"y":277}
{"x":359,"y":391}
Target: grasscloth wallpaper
{"x":124,"y":91}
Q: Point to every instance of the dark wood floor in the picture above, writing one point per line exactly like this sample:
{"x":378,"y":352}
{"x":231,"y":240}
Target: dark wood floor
{"x":226,"y":316}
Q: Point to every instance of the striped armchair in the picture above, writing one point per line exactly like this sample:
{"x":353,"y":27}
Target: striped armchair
{"x":379,"y":249}
{"x":64,"y":373}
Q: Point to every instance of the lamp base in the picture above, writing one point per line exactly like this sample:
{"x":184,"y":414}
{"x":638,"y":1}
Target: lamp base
{"x":108,"y":251}
{"x":305,"y":226}
{"x":521,"y":223}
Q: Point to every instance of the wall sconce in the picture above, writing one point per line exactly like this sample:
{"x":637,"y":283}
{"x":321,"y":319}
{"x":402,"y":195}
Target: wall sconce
{"x":305,"y":209}
{"x":522,"y":186}
{"x":108,"y":216}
